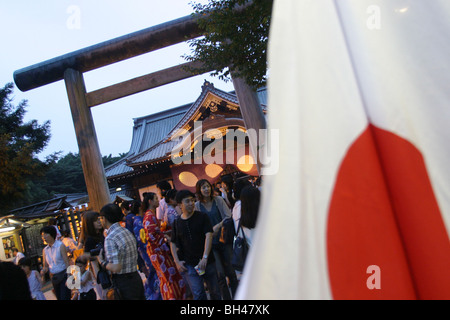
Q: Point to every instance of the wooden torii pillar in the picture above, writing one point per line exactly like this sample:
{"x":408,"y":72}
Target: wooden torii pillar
{"x":252,"y":115}
{"x":70,"y":68}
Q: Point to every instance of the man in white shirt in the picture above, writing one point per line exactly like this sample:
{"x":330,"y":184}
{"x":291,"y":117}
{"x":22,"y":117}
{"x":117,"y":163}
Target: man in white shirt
{"x":55,"y":261}
{"x":17,"y":256}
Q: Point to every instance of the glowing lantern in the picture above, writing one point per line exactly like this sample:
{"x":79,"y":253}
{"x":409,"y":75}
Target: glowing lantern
{"x":245,"y":163}
{"x":213,"y":170}
{"x":188,"y":178}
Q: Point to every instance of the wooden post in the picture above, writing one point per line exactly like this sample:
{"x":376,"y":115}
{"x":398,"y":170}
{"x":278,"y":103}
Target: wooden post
{"x":91,"y":159}
{"x":251,"y":113}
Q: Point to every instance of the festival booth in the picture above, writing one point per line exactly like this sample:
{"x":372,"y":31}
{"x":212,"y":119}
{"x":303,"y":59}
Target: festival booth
{"x":10,"y":238}
{"x":28,"y":222}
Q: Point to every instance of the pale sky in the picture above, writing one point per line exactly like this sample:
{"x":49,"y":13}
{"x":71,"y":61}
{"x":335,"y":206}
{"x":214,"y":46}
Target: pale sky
{"x":35,"y":31}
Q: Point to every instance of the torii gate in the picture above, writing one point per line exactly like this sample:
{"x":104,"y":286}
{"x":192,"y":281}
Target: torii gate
{"x":71,"y":67}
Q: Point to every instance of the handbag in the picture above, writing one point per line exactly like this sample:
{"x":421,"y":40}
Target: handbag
{"x":103,"y":278}
{"x":240,"y":250}
{"x":227,"y":231}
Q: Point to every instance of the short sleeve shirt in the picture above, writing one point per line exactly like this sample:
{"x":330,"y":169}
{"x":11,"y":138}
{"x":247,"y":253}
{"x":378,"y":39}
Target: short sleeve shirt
{"x":91,"y":243}
{"x":189,"y":237}
{"x":121,"y":247}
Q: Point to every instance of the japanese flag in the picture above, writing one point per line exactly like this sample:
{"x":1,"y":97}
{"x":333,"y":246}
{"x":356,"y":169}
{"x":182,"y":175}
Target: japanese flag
{"x":360,"y":206}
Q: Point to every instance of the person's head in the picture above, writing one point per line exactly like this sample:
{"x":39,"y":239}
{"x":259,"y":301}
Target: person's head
{"x":125,"y":206}
{"x":13,"y":282}
{"x":110,"y":214}
{"x":250,"y":198}
{"x":163,"y":187}
{"x":258,"y":182}
{"x":227,"y":182}
{"x":81,"y":262}
{"x":52,"y":222}
{"x":203,"y":190}
{"x":25,"y":264}
{"x":238,"y":186}
{"x":134,"y":207}
{"x":170,"y":197}
{"x":186,"y":201}
{"x":90,"y":224}
{"x":15,"y":251}
{"x":65,"y":234}
{"x":149,"y":201}
{"x":48,"y":234}
{"x":227,"y":185}
{"x":216,"y":189}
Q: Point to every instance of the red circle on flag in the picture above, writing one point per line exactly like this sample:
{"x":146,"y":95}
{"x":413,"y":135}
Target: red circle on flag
{"x":383,"y":213}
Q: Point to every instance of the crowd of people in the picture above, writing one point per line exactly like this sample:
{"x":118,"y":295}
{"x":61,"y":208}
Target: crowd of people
{"x":173,"y":245}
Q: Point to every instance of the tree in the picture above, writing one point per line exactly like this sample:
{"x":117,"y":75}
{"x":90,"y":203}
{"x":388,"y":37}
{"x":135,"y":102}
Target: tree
{"x":65,"y":175}
{"x":235,"y":36}
{"x":19,"y":144}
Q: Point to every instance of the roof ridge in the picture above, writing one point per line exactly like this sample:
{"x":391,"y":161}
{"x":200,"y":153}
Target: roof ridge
{"x":115,"y":164}
{"x":162,"y":114}
{"x":206,"y":88}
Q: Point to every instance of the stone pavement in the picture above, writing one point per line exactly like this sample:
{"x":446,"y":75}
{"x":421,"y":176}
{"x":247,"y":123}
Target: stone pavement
{"x":47,"y":290}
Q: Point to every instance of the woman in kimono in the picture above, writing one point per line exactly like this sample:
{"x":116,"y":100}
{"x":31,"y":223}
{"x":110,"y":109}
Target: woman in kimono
{"x":172,"y":285}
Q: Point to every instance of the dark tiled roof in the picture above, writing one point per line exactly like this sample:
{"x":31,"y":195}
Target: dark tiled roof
{"x":163,"y":149}
{"x":147,"y":132}
{"x":41,"y":209}
{"x":152,"y":129}
{"x":123,"y":195}
{"x":118,"y":168}
{"x":158,"y":151}
{"x":151,"y":133}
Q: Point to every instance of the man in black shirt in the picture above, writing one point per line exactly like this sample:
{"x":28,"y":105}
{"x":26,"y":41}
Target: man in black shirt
{"x":191,"y":246}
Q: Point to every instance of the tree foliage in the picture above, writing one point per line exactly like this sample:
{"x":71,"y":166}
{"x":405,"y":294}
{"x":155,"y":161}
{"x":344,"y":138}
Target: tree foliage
{"x":235,"y":39}
{"x":65,"y":175}
{"x":19,"y":144}
{"x":24,"y":179}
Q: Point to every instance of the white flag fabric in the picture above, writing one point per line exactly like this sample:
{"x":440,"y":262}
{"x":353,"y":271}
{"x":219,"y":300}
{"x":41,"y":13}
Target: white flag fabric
{"x":360,"y":206}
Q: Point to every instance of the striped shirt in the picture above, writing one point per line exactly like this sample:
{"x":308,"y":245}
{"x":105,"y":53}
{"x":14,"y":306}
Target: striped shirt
{"x":121,"y":247}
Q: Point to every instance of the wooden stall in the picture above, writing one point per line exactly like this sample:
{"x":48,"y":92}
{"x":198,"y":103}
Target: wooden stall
{"x":36,"y":216}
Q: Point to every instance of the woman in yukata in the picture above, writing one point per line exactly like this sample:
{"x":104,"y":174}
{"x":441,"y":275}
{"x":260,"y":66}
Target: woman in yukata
{"x":172,"y":285}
